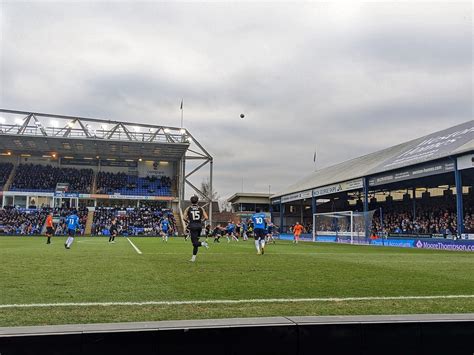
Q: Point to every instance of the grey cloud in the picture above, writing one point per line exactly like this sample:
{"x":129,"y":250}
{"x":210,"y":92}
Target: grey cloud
{"x":305,"y":75}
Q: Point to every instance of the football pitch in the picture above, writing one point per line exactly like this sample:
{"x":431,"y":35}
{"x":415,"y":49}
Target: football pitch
{"x":145,"y":279}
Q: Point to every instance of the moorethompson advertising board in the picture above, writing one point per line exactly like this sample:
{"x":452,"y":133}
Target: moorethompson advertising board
{"x":425,"y":243}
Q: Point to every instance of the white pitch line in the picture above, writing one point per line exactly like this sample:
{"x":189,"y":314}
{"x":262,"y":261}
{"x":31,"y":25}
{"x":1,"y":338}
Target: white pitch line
{"x":134,"y":247}
{"x":264,"y":300}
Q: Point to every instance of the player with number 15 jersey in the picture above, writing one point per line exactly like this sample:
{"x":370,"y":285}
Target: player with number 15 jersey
{"x":195,"y":215}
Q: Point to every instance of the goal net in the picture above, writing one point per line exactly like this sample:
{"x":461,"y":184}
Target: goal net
{"x":343,"y":227}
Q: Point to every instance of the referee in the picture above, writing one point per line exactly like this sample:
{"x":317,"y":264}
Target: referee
{"x":49,"y":227}
{"x":194,"y":216}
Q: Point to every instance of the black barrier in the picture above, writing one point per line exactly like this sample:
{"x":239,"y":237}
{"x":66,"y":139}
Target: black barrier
{"x":418,"y":334}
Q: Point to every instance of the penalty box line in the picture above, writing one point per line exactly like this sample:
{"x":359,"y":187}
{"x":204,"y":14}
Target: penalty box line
{"x":264,"y":300}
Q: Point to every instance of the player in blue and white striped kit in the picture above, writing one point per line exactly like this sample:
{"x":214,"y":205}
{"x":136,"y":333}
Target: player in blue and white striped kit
{"x":72,"y":222}
{"x":259,"y":221}
{"x":164,"y":229}
{"x":230,"y":232}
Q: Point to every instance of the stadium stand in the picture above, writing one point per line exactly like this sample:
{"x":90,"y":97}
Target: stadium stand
{"x":422,"y":188}
{"x":53,"y":160}
{"x":5,"y":170}
{"x":43,"y":178}
{"x":433,"y":220}
{"x":61,"y":227}
{"x":23,"y":221}
{"x":132,"y":221}
{"x":110,"y":183}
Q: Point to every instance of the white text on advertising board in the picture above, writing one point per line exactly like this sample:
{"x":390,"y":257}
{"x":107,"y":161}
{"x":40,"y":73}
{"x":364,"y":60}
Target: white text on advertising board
{"x":343,"y":186}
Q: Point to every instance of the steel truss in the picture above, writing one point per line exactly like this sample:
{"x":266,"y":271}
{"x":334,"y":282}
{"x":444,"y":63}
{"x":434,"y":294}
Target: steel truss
{"x":36,"y":124}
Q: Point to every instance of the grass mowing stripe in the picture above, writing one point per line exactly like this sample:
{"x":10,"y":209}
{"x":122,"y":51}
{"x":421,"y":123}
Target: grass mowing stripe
{"x":264,"y":300}
{"x":96,"y":272}
{"x":134,"y":247}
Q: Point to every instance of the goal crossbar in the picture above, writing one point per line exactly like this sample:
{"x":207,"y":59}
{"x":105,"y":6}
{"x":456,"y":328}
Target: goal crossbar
{"x":345,"y":226}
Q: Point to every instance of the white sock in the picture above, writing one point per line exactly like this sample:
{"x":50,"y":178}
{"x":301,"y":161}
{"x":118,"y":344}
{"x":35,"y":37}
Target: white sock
{"x":257,"y":245}
{"x":70,"y":242}
{"x":166,"y":238}
{"x":193,"y":258}
{"x":262,"y":244}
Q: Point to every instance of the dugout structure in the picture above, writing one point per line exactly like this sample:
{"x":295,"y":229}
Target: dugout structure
{"x":102,"y":145}
{"x":440,"y":164}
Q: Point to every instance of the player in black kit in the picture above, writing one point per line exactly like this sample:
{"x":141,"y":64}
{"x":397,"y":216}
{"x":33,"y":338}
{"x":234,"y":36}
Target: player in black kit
{"x":113,"y":231}
{"x":194,"y":216}
{"x":217,"y":233}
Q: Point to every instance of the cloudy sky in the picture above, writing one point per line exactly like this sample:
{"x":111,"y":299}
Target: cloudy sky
{"x":344,"y":79}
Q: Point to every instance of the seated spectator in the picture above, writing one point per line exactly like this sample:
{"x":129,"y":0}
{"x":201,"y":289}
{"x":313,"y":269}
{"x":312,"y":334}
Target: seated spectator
{"x":132,"y":221}
{"x":110,"y":183}
{"x":5,"y":171}
{"x":23,"y":221}
{"x":31,"y":177}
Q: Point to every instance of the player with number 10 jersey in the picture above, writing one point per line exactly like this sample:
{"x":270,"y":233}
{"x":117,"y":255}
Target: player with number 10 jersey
{"x":259,"y":221}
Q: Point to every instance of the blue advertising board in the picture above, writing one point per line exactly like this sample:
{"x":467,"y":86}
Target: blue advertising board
{"x":288,"y":236}
{"x":403,"y":243}
{"x":426,"y":243}
{"x":445,"y":244}
{"x":326,"y":239}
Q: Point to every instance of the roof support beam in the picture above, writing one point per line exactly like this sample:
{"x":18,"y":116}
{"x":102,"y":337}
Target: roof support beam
{"x":112,"y":131}
{"x":198,"y":191}
{"x":26,"y":121}
{"x":40,"y":126}
{"x":84,"y":129}
{"x":196,"y":169}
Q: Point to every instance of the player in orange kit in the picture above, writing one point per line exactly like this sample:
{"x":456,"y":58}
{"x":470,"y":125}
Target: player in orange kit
{"x":297,"y":230}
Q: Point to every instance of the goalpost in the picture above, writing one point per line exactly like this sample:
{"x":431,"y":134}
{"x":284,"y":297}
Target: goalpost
{"x":343,"y":226}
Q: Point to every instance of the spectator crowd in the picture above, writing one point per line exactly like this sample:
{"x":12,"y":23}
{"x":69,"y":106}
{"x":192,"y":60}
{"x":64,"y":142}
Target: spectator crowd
{"x":132,"y":221}
{"x":430,"y":219}
{"x":22,"y":221}
{"x":36,"y":177}
{"x":109,"y":183}
{"x":5,"y":170}
{"x":436,"y":216}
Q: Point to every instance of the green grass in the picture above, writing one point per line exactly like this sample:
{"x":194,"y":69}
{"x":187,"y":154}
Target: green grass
{"x":95,"y":271}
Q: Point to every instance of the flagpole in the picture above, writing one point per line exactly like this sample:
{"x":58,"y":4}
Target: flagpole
{"x":314,"y":159}
{"x":181,"y":113}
